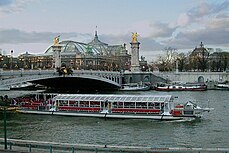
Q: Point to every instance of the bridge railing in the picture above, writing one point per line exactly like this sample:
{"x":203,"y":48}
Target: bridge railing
{"x":53,"y":71}
{"x":41,"y":146}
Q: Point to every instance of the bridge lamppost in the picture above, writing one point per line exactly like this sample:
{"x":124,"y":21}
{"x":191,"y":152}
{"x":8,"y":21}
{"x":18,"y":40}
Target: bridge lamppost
{"x":5,"y":137}
{"x":4,"y":100}
{"x":11,"y":59}
{"x":1,"y":59}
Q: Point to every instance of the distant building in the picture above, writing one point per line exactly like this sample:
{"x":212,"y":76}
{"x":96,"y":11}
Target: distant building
{"x":95,"y":55}
{"x":219,"y":61}
{"x":199,"y":58}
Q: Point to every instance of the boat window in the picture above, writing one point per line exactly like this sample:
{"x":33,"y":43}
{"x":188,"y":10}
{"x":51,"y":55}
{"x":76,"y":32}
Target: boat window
{"x":97,"y":98}
{"x":151,"y":99}
{"x":141,"y":105}
{"x":63,"y":103}
{"x":87,"y":98}
{"x":67,"y":97}
{"x":156,"y":99}
{"x":150,"y":105}
{"x":139,"y":98}
{"x":71,"y":97}
{"x":188,"y":112}
{"x":123,"y":98}
{"x":102,"y":98}
{"x":82,"y":98}
{"x":128,"y":99}
{"x":119,"y":105}
{"x":94,"y":104}
{"x":73,"y":103}
{"x":145,"y":98}
{"x":134,"y":98}
{"x":92,"y":98}
{"x":111,"y":98}
{"x":117,"y":98}
{"x":162,"y":99}
{"x":84,"y":104}
{"x":75,"y":98}
{"x":157,"y":105}
{"x":129,"y":104}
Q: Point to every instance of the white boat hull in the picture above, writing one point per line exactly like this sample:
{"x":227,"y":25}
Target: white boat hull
{"x":4,"y":88}
{"x":111,"y":115}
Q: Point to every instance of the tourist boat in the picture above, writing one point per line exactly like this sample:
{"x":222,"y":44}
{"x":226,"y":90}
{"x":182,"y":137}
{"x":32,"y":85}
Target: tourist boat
{"x":182,"y":87}
{"x":157,"y":107}
{"x":135,"y":87}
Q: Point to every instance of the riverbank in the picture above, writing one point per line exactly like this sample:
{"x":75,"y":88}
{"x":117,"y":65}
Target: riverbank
{"x":24,"y":146}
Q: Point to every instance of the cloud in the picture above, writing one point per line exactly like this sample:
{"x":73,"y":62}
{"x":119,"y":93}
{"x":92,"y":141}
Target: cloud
{"x":161,"y":29}
{"x":152,"y":29}
{"x":183,"y":20}
{"x":15,"y":36}
{"x":205,"y":22}
{"x":12,"y":6}
{"x":147,"y":43}
{"x":199,"y":13}
{"x":210,"y":36}
{"x":5,"y":2}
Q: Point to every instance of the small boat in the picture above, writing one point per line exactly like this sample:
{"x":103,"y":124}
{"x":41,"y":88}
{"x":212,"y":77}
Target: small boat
{"x":222,"y":86}
{"x":23,"y":85}
{"x":182,"y":87}
{"x":4,"y":88}
{"x":156,"y":107}
{"x":135,"y":87}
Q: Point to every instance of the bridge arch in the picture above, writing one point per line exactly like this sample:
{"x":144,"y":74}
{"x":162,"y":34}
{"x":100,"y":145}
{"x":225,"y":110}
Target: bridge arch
{"x":200,"y":79}
{"x":100,"y":80}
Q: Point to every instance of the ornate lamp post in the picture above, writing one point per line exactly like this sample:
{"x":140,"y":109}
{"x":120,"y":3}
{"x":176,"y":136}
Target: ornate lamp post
{"x":5,"y":138}
{"x":1,"y":59}
{"x":11,"y":59}
{"x":4,"y":118}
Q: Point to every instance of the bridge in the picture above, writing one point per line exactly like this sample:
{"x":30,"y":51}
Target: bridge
{"x":103,"y":80}
{"x":194,"y":76}
{"x":80,"y":79}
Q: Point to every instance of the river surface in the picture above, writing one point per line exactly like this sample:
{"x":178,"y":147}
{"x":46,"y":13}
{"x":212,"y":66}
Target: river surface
{"x":211,"y":131}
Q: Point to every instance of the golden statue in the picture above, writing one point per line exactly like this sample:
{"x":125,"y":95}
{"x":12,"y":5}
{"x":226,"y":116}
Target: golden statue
{"x":134,"y":37}
{"x":56,"y":40}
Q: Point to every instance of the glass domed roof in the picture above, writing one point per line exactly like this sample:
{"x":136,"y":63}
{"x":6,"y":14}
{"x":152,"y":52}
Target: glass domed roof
{"x":101,"y":46}
{"x":74,"y":47}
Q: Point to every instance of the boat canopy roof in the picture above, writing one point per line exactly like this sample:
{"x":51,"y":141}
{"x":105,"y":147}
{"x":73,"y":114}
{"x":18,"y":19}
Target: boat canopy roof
{"x":114,"y":98}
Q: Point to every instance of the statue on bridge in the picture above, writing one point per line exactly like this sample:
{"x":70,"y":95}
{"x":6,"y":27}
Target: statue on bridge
{"x":56,"y":40}
{"x":134,"y":37}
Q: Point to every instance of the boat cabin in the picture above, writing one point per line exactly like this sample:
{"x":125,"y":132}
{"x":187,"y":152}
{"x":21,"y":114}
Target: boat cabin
{"x":156,"y":104}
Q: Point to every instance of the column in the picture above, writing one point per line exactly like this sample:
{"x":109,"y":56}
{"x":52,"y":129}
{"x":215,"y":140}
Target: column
{"x":135,"y":66}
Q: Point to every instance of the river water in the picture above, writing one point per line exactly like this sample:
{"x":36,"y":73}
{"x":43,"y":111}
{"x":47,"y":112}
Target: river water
{"x":211,"y":131}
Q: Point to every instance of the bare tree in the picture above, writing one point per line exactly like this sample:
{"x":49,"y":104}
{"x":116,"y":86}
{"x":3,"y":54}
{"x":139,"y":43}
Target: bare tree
{"x":167,"y":61}
{"x":182,"y":62}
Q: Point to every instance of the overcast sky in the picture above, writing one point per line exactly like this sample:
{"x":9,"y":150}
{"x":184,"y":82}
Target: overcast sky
{"x":31,"y":25}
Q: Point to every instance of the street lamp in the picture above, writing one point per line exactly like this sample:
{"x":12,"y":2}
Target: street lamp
{"x":11,"y":59}
{"x":4,"y":118}
{"x":1,"y":59}
{"x":5,"y":138}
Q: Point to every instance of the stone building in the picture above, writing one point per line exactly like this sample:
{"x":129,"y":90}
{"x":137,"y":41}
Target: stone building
{"x":199,"y":58}
{"x":95,"y":55}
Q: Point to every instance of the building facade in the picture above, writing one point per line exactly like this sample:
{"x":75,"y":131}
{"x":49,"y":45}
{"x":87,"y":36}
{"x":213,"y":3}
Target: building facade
{"x":95,"y":55}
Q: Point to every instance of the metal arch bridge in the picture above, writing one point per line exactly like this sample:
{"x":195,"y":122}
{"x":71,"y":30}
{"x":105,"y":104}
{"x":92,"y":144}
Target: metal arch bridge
{"x":9,"y":78}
